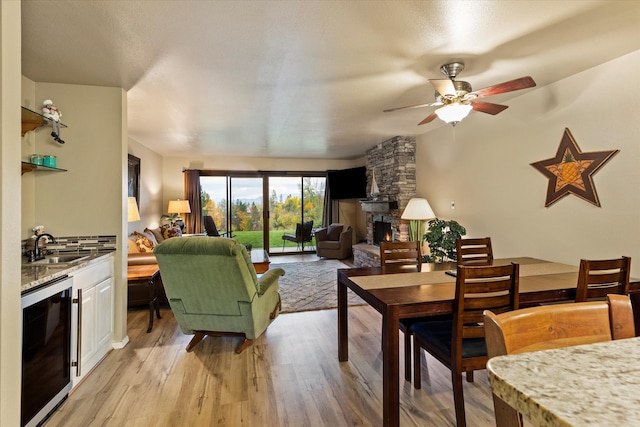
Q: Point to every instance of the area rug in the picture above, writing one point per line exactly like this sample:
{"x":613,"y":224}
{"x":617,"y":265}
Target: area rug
{"x":311,"y":286}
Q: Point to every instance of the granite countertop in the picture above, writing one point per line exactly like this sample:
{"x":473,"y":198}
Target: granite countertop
{"x":586,"y":385}
{"x":34,"y":275}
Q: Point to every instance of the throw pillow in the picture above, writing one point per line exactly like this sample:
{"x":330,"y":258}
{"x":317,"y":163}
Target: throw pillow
{"x":149,"y":235}
{"x":170,"y":232}
{"x":143,"y":244}
{"x":333,"y":233}
{"x":132,"y":247}
{"x":157,"y":233}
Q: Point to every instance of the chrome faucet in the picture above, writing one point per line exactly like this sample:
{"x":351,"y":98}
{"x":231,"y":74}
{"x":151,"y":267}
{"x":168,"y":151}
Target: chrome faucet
{"x":36,"y":254}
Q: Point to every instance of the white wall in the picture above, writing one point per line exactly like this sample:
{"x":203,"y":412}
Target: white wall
{"x":484,"y":166}
{"x":150,"y":206}
{"x":89,"y":198}
{"x":11,"y":314}
{"x":28,"y":147}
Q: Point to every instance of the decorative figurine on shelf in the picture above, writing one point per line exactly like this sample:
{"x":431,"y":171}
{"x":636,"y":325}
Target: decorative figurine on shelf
{"x":37,"y":230}
{"x":50,"y":111}
{"x":375,"y":192}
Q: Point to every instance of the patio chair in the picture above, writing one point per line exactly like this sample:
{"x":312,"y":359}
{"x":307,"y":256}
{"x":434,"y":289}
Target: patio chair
{"x":303,"y":235}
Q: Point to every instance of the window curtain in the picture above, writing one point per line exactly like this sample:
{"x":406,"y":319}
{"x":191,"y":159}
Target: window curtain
{"x":193,"y":221}
{"x":327,"y":210}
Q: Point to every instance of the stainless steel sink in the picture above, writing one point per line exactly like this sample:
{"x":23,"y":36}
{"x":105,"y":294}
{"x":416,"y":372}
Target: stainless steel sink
{"x":60,"y":259}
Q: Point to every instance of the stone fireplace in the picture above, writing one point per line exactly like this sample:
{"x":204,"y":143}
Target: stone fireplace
{"x":394,"y":162}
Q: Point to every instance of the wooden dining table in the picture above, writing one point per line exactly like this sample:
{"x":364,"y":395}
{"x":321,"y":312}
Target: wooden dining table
{"x":431,"y":293}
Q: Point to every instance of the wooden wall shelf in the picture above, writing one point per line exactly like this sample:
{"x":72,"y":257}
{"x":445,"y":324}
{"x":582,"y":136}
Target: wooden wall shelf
{"x":32,"y":120}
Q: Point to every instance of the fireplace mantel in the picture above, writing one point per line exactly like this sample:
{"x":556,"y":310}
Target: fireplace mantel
{"x":376,"y":206}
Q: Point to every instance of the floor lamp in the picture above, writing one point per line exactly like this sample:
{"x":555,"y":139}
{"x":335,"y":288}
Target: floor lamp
{"x":417,"y":211}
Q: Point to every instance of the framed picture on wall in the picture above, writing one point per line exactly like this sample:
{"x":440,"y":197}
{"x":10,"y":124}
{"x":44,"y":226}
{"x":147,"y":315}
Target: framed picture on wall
{"x":134,"y":178}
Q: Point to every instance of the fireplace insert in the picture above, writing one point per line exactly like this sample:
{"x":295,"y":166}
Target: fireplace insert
{"x":382,"y":232}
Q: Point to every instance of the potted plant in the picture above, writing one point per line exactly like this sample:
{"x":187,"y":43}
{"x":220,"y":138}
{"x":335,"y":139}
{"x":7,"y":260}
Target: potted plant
{"x":441,"y":238}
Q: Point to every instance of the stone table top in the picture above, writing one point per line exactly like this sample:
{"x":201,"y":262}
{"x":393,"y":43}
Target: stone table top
{"x":587,"y":385}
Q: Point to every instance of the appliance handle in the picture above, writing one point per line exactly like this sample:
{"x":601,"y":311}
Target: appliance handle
{"x":79,"y":334}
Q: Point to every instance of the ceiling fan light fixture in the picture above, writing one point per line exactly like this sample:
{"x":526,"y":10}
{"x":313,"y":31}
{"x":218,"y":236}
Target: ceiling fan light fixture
{"x":453,"y":113}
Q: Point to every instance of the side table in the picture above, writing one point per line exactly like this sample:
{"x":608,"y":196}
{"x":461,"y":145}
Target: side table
{"x":146,"y":274}
{"x":260,"y":260}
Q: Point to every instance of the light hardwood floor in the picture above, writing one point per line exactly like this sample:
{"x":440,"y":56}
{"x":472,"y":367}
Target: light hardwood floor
{"x":289,"y":377}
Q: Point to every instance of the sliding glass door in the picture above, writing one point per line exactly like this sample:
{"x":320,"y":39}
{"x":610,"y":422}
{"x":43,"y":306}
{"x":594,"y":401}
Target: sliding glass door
{"x":215,"y":194}
{"x":246,"y":195}
{"x":292,"y":202}
{"x":237,"y":203}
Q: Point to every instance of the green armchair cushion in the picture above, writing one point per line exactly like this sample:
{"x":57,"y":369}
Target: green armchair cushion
{"x":212,"y":285}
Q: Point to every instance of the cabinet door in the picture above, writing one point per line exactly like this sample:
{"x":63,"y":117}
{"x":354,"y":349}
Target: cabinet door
{"x":104,"y":315}
{"x":96,"y":282}
{"x":89,"y":339}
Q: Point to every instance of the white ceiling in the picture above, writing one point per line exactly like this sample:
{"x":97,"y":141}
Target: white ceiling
{"x":307,"y":78}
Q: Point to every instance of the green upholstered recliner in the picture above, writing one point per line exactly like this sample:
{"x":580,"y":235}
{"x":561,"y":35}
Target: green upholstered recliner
{"x":213,"y":289}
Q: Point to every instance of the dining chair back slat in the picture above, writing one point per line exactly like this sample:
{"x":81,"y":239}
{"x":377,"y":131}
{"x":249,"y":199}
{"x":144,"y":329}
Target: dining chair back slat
{"x":598,"y":278}
{"x":474,"y":251}
{"x":400,"y":256}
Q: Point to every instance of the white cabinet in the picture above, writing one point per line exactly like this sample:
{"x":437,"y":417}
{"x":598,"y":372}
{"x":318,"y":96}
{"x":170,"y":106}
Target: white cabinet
{"x":93,"y":321}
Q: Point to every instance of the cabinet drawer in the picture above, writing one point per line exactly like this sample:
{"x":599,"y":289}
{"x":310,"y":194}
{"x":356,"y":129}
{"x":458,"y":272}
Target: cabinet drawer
{"x":93,"y":274}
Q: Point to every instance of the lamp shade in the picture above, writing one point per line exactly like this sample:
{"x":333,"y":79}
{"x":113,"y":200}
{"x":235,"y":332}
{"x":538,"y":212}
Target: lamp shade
{"x":179,"y":206}
{"x":418,"y":208}
{"x":453,"y":113}
{"x":133,"y":214}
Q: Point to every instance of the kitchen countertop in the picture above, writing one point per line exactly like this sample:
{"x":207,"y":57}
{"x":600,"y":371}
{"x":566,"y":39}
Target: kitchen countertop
{"x":35,"y":275}
{"x":584,"y":385}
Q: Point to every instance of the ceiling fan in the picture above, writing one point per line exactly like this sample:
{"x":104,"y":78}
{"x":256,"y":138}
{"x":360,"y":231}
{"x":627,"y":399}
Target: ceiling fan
{"x":457,"y":99}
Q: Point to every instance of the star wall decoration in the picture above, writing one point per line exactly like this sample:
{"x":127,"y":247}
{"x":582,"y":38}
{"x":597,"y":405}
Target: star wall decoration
{"x":571,"y":170}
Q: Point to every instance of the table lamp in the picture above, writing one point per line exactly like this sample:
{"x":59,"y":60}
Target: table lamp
{"x":177,"y":207}
{"x":417,"y":211}
{"x":133,"y":214}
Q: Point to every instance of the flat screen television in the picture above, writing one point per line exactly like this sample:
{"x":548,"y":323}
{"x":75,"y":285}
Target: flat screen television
{"x":347,"y":183}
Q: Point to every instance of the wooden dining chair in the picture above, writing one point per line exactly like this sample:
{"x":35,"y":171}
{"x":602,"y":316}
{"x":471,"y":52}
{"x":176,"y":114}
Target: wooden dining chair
{"x":400,"y":257}
{"x":403,"y":257}
{"x":598,"y":278}
{"x":554,"y":326}
{"x":459,"y":343}
{"x":474,"y":251}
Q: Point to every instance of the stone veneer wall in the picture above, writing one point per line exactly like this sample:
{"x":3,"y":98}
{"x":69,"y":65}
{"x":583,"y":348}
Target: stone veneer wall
{"x":394,"y":161}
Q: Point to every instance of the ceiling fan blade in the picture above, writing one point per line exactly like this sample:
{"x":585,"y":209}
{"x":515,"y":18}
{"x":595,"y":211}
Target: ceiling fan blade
{"x":431,"y":117}
{"x":488,"y":107}
{"x":444,"y":86}
{"x":431,"y":104}
{"x":510,"y":86}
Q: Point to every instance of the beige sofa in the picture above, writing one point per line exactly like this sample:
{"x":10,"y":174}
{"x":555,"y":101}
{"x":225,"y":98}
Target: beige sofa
{"x":140,"y":252}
